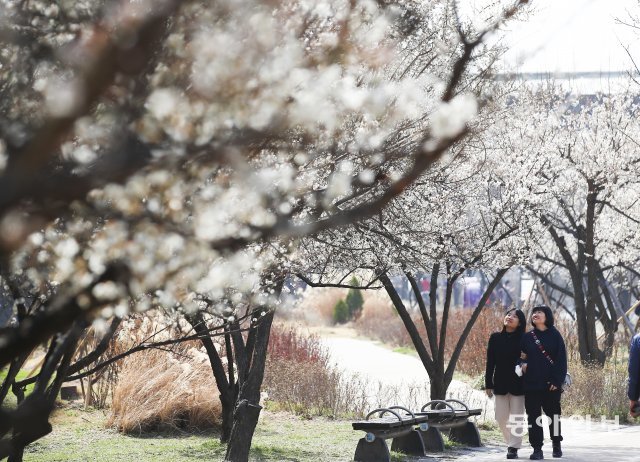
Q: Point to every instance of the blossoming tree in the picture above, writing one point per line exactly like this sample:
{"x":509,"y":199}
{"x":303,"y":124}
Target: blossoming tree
{"x":152,"y":154}
{"x":581,"y":154}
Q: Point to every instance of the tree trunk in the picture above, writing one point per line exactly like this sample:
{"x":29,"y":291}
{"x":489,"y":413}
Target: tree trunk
{"x":245,"y":419}
{"x":593,"y":294}
{"x":409,"y":325}
{"x":16,"y":454}
{"x":247,"y":411}
{"x":227,"y":388}
{"x":438,"y":388}
{"x":228,"y":401}
{"x":584,"y":304}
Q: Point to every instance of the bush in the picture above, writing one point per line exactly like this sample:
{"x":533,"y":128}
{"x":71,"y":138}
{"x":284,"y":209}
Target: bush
{"x":299,"y":377}
{"x":354,"y":301}
{"x":340,"y":312}
{"x":598,"y":391}
{"x":473,"y":357}
{"x":379,"y":320}
{"x":287,"y":344}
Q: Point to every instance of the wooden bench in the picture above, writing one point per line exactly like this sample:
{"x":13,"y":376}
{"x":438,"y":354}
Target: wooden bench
{"x":415,"y":433}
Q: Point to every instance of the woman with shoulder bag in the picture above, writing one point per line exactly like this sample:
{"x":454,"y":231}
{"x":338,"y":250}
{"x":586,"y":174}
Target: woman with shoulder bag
{"x":545,"y":370}
{"x":501,"y":380}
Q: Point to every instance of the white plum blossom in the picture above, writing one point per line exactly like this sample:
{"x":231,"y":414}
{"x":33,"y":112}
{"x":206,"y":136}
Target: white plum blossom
{"x":257,"y":121}
{"x":62,"y":97}
{"x":451,"y":118}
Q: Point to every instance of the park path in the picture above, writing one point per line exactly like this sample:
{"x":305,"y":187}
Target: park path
{"x":380,"y":368}
{"x":400,"y":378}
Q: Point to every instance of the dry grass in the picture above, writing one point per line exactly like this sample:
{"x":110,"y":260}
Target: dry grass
{"x":98,"y":389}
{"x":158,"y":390}
{"x":567,"y":328}
{"x":598,"y":391}
{"x":315,"y":308}
{"x":472,"y":359}
{"x":310,"y":390}
{"x":379,"y":320}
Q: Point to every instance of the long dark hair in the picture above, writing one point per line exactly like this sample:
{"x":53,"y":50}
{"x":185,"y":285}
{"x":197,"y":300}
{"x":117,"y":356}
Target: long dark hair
{"x":522,"y":321}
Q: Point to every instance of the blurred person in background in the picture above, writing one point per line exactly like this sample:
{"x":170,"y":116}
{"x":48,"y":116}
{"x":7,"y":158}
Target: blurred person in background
{"x":633,"y":391}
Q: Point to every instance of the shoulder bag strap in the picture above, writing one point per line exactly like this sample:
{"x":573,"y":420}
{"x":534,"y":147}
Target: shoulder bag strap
{"x":540,"y":347}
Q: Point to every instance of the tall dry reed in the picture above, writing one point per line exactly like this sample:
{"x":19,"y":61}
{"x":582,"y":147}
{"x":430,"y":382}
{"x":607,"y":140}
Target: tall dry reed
{"x":158,"y":390}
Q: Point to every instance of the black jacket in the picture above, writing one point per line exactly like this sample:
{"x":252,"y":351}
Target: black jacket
{"x":540,"y":372}
{"x":503,"y":353}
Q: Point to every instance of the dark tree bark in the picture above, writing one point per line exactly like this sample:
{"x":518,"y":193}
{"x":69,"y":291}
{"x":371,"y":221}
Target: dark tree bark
{"x":593,"y":294}
{"x":584,"y":272}
{"x":227,"y":388}
{"x":433,"y":358}
{"x":251,"y":359}
{"x":31,"y":419}
{"x":247,"y":411}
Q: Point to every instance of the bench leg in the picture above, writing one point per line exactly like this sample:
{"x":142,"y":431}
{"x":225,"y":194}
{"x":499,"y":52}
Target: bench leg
{"x":410,"y":444}
{"x":376,"y":451}
{"x":466,"y":434}
{"x":432,"y":438}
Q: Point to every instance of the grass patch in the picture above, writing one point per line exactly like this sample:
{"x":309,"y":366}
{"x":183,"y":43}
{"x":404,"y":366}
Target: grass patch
{"x":10,"y":402}
{"x":405,"y":350}
{"x":81,"y":435}
{"x":490,"y":432}
{"x":449,"y":443}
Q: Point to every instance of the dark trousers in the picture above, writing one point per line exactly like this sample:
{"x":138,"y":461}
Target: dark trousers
{"x":534,"y":403}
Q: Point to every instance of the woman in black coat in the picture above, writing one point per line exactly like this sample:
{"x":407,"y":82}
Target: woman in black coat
{"x":501,"y":381}
{"x":544,"y":372}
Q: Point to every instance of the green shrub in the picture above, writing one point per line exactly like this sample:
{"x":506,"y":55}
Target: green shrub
{"x":354,"y":301}
{"x":340,"y":312}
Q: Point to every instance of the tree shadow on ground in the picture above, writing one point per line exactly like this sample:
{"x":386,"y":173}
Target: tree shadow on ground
{"x":275,"y":453}
{"x":173,"y":433}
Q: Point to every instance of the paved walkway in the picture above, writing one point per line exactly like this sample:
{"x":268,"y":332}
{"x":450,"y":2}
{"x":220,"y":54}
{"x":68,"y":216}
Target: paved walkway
{"x":383,"y":369}
{"x":581,"y":444}
{"x":401,"y":378}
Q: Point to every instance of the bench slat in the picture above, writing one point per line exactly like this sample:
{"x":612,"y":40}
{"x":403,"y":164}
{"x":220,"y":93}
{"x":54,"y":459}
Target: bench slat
{"x":435,"y":415}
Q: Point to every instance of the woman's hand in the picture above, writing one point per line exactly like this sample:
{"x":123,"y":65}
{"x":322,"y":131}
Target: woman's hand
{"x":552,"y":387}
{"x":489,"y":392}
{"x":524,"y":368}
